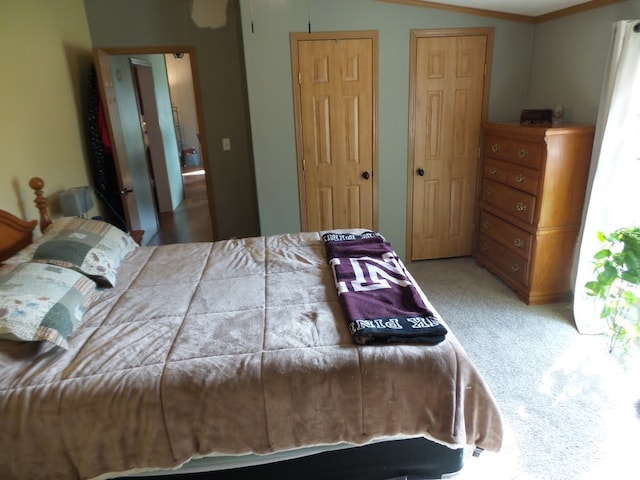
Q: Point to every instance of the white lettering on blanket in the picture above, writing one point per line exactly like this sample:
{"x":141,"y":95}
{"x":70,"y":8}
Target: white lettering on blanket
{"x":423,"y":322}
{"x":394,"y":323}
{"x":358,"y":325}
{"x":378,"y":273}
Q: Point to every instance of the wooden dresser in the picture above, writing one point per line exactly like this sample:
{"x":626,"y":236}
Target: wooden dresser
{"x":533,"y":188}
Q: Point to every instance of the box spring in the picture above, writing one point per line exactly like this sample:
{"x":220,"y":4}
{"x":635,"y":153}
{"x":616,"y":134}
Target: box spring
{"x":407,"y":458}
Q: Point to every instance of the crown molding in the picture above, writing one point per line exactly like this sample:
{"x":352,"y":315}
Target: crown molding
{"x":583,"y":7}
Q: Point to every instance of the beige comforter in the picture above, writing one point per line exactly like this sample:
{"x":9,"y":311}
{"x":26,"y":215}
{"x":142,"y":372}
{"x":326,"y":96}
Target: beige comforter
{"x":226,"y":348}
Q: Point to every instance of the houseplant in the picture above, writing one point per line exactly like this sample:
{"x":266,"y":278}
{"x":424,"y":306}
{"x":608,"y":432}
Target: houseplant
{"x":617,"y":284}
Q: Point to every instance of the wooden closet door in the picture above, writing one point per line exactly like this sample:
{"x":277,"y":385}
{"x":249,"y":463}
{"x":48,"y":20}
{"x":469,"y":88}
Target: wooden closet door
{"x":447,"y":92}
{"x":336,"y":132}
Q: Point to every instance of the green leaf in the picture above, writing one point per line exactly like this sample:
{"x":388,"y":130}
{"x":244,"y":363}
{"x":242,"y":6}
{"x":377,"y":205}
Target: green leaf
{"x":630,"y":277}
{"x":630,"y":297}
{"x":604,"y":253}
{"x":618,"y":259}
{"x":608,"y":274}
{"x":631,"y":260}
{"x":592,"y":287}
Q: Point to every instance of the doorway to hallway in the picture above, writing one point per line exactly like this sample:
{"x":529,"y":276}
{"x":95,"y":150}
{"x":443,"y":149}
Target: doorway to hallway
{"x":190,"y":221}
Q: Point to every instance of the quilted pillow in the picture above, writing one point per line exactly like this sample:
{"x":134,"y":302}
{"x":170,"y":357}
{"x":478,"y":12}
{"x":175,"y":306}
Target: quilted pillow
{"x":41,"y":302}
{"x":92,"y":247}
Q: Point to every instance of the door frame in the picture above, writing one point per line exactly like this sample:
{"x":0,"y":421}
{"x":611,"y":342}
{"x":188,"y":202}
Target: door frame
{"x":191,"y":50}
{"x":425,"y":33}
{"x":294,"y":38}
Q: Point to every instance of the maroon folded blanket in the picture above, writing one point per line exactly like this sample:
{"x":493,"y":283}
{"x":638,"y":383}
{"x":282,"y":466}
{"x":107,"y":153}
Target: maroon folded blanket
{"x":378,"y":294}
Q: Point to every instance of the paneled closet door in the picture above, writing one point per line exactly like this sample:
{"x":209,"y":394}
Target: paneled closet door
{"x":447,"y":92}
{"x":335,"y":92}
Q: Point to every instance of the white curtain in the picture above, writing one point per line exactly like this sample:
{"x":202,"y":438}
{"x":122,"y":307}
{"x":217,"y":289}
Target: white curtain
{"x":613,"y":196}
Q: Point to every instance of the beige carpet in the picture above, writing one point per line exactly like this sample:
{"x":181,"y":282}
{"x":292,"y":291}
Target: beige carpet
{"x":571,"y":410}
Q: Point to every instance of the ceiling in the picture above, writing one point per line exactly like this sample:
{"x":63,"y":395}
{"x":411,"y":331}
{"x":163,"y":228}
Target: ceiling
{"x":531,"y":8}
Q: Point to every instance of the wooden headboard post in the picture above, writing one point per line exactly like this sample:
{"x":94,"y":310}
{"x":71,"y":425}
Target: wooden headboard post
{"x":37,"y":184}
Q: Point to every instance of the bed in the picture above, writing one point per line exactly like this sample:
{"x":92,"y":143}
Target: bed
{"x":232,"y":359}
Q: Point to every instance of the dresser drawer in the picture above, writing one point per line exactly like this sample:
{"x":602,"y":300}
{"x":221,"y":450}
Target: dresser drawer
{"x":523,"y":153}
{"x":516,"y":176}
{"x":514,"y":202}
{"x":526,"y":154}
{"x":497,"y":147}
{"x":525,"y":179}
{"x":516,"y":240}
{"x":496,"y":170}
{"x":513,"y":266}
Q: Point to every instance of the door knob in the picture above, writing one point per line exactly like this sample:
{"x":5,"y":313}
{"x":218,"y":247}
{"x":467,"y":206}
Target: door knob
{"x":420,"y":172}
{"x":126,"y":191}
{"x":365,"y":175}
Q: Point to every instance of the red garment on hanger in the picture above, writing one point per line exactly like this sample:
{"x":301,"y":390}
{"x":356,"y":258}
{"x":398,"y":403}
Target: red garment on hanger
{"x":104,"y":130}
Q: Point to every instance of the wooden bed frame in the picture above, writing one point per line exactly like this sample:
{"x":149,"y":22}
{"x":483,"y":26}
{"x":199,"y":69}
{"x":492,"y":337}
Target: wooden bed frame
{"x":15,"y":234}
{"x":396,"y":459}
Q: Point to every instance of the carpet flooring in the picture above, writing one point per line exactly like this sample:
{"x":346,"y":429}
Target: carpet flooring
{"x":571,"y":409}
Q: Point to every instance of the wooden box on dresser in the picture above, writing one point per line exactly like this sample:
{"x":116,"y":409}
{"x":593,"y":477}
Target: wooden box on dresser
{"x":533,"y":189}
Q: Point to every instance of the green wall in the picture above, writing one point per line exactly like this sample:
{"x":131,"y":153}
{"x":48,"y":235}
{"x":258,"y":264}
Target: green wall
{"x":268,"y":65}
{"x":569,"y":60}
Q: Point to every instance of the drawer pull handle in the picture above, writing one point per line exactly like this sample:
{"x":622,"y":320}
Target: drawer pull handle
{"x":488,"y":192}
{"x":493,"y":170}
{"x":486,"y":224}
{"x":518,"y":243}
{"x":523,"y":153}
{"x":515,"y":267}
{"x":495,"y":148}
{"x":520,"y":178}
{"x":521,"y":207}
{"x":484,"y":248}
